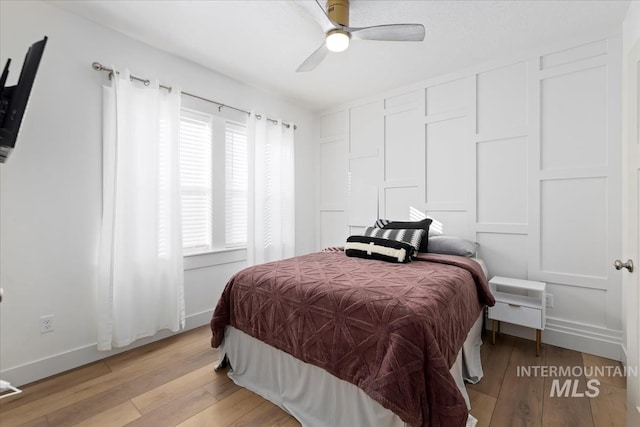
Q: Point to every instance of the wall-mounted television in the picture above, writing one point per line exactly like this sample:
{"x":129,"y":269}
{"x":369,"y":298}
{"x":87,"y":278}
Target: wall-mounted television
{"x":14,"y":99}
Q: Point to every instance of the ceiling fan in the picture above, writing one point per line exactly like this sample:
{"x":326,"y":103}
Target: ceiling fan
{"x":338,"y":37}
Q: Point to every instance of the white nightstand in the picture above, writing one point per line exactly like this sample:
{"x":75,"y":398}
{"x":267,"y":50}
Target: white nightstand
{"x":521,"y":302}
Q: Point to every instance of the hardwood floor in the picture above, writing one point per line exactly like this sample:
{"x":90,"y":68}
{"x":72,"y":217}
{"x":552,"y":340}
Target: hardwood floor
{"x":503,"y":398}
{"x":172,"y":383}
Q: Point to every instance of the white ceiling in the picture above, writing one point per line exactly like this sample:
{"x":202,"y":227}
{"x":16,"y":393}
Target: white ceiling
{"x":263,"y":42}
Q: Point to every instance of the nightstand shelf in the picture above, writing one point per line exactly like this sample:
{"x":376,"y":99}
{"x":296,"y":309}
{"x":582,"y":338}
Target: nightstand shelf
{"x":520,"y":302}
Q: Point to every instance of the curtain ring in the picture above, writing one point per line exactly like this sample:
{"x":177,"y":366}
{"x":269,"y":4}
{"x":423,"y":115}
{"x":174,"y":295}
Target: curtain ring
{"x":147,"y":82}
{"x":220,"y":107}
{"x":258,"y":116}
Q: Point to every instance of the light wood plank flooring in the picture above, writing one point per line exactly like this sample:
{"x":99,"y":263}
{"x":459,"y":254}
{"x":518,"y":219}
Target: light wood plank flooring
{"x":503,"y":398}
{"x":172,"y":383}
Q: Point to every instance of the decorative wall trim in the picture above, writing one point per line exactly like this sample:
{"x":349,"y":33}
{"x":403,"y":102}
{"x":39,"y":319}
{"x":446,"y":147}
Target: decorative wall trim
{"x":502,"y":228}
{"x":43,"y":368}
{"x":500,"y":134}
{"x":524,"y":55}
{"x":573,"y":54}
{"x":505,"y":110}
{"x":449,"y":115}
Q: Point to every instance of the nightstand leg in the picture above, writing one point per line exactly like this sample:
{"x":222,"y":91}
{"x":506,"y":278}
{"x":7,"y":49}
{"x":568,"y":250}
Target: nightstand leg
{"x":493,"y":330}
{"x":538,"y":341}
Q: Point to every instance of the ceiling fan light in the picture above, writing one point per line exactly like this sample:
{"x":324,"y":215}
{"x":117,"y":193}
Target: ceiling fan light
{"x":337,"y":40}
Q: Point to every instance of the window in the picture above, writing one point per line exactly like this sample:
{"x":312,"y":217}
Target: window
{"x":236,"y":183}
{"x":196,"y":181}
{"x":213,"y":162}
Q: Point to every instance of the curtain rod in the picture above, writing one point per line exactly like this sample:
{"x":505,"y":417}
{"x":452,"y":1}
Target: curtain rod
{"x":99,"y":67}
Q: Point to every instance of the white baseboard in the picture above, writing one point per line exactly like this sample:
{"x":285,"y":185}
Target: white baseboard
{"x":43,"y":368}
{"x":573,"y":336}
{"x":624,"y":354}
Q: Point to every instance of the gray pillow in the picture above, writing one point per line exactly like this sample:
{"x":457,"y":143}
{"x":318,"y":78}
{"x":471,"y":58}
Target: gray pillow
{"x":451,"y":245}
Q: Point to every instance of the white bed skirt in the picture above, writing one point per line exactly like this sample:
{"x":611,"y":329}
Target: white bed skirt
{"x":315,"y":397}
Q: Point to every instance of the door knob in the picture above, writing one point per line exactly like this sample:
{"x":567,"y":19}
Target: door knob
{"x":619,"y":265}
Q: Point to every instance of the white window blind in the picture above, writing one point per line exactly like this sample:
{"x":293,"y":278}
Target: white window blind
{"x":196,"y":181}
{"x":236,"y":182}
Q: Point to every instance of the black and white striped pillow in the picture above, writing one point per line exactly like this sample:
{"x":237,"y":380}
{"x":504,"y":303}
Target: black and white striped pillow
{"x":409,"y":225}
{"x":411,"y":236}
{"x":380,"y":249}
{"x":380,"y":223}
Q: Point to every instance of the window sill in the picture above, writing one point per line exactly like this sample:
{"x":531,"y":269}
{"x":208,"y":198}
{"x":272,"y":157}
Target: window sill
{"x":215,"y":251}
{"x":214,"y":257}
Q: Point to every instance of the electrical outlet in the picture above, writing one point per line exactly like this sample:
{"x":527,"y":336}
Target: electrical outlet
{"x":46,"y":323}
{"x":549,"y":301}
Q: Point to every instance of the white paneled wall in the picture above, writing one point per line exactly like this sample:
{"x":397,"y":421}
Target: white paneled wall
{"x":502,"y":181}
{"x":402,"y":157}
{"x":365,"y":142}
{"x":522,"y":156}
{"x":333,"y":178}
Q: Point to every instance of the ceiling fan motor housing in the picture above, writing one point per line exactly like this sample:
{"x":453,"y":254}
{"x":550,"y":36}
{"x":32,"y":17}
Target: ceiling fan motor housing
{"x":338,"y":32}
{"x":338,"y":11}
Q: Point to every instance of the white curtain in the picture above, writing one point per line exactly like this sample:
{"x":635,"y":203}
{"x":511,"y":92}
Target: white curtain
{"x":140,"y":266}
{"x":271,"y":204}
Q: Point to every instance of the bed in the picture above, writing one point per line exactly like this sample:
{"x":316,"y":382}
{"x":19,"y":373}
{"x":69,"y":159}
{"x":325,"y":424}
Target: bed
{"x":339,"y":341}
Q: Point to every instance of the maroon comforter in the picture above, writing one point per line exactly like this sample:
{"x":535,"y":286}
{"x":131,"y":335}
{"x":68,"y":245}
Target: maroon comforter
{"x":394,"y":330}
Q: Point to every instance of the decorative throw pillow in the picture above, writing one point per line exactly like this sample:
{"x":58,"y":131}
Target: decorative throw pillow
{"x":414,"y":237}
{"x":380,"y":249}
{"x":423,"y":224}
{"x":451,"y":245}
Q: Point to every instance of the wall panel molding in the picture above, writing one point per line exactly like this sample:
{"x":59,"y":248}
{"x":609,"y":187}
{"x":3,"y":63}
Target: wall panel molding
{"x":402,"y":101}
{"x":366,"y":128}
{"x":573,"y":67}
{"x":501,"y":181}
{"x":362,"y":191}
{"x":401,"y":133}
{"x":502,"y":98}
{"x":574,"y":119}
{"x":449,"y":115}
{"x":505,"y":133}
{"x":574,"y":54}
{"x":523,"y":156}
{"x":446,"y":97}
{"x":501,"y":228}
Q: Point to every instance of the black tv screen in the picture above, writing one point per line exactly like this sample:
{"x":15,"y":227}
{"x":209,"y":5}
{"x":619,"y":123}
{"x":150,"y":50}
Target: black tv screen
{"x":14,"y":99}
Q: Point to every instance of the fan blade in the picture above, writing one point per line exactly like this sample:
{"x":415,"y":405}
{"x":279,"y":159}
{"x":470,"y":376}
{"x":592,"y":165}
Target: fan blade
{"x":391,"y":32}
{"x":314,"y":59}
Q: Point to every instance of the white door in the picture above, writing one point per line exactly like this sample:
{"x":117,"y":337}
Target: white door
{"x":631,"y":281}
